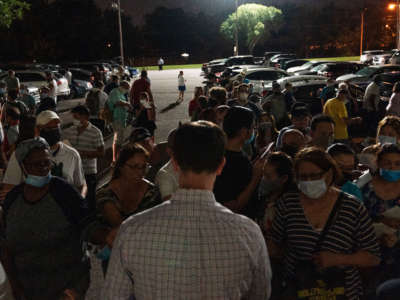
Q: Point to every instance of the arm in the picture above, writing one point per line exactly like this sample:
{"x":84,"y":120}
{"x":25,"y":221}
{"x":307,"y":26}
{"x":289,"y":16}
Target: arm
{"x":118,"y":284}
{"x":371,"y":101}
{"x":111,"y":214}
{"x":262,"y":274}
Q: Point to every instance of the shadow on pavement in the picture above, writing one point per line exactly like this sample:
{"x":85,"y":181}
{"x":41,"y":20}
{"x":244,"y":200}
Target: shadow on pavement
{"x":169,"y":107}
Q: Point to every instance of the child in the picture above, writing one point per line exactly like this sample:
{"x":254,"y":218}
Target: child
{"x":181,"y":87}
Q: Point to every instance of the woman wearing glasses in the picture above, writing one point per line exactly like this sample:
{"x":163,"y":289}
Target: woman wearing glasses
{"x":300,"y":218}
{"x":128,"y":192}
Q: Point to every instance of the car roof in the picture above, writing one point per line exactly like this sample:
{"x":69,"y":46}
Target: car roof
{"x":371,"y":51}
{"x":264,"y":69}
{"x":242,"y":56}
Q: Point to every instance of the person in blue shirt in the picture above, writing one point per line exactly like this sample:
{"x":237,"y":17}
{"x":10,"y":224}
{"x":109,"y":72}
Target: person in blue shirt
{"x":345,"y":158}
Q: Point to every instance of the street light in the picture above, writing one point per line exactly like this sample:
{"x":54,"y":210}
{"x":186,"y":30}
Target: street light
{"x":236,"y":50}
{"x":396,"y":6}
{"x":117,"y":5}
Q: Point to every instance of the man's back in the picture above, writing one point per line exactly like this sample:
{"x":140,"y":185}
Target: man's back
{"x":189,"y":248}
{"x":336,"y":109}
{"x":139,"y":86}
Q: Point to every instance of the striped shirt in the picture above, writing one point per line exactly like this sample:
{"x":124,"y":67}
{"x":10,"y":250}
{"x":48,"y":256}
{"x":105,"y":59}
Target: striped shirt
{"x":350,"y":232}
{"x":190,"y":247}
{"x":91,"y":139}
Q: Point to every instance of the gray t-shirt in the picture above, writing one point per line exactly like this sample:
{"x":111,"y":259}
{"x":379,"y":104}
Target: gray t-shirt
{"x":46,"y":248}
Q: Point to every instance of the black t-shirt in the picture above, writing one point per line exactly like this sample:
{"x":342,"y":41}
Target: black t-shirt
{"x":234,"y":178}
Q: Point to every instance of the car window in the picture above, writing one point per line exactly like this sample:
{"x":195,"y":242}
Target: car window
{"x":367,"y":71}
{"x":27,"y":77}
{"x":308,"y":91}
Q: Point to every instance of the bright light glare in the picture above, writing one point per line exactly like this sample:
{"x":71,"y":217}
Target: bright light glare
{"x":392,"y":6}
{"x":185,"y":54}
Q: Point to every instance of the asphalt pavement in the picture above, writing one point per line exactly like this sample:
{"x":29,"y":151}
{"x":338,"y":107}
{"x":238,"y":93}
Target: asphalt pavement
{"x":164,"y":85}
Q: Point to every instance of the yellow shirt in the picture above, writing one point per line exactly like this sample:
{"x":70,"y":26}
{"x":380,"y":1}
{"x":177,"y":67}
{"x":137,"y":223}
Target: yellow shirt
{"x":337,"y":110}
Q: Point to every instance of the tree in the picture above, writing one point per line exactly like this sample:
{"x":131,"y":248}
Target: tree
{"x":255,"y":23}
{"x":11,"y":10}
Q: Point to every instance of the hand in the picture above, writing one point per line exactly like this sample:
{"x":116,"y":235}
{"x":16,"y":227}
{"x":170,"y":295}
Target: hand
{"x":394,"y":223}
{"x":258,"y":168}
{"x":389,"y":240}
{"x":111,"y":236}
{"x":325,"y":259}
{"x":69,"y":294}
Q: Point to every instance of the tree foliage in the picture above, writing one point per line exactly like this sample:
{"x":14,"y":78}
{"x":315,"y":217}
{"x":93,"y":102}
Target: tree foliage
{"x":255,"y":23}
{"x":11,"y":10}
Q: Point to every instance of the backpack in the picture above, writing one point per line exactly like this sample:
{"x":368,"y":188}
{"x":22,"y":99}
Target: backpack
{"x":93,"y":102}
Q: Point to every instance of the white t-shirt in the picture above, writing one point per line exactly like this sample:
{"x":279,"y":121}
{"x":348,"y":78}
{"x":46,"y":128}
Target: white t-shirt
{"x":181,"y":80}
{"x":53,"y":91}
{"x":167,"y":180}
{"x":72,"y":170}
{"x":5,"y":288}
{"x":68,"y":76}
{"x":372,"y":89}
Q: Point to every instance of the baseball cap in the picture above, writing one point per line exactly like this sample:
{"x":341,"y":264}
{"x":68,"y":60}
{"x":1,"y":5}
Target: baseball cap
{"x":25,"y":147}
{"x":45,"y":117}
{"x":139,"y":134}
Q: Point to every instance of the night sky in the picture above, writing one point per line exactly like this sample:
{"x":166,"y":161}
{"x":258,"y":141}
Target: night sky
{"x":138,"y":8}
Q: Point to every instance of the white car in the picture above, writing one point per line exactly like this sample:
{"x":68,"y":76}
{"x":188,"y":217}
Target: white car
{"x":368,"y":56}
{"x":260,"y":76}
{"x":35,"y":78}
{"x":297,"y":80}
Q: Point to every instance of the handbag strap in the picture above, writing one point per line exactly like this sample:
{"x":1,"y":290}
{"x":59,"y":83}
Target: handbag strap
{"x":329,"y":222}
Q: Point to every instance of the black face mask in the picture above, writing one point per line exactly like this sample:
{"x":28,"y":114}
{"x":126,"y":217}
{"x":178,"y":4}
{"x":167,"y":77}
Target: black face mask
{"x":52,"y":136}
{"x":290,"y":150}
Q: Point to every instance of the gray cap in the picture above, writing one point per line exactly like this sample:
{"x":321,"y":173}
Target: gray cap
{"x":25,"y":147}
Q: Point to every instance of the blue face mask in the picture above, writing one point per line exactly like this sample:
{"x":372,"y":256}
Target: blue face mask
{"x":390,"y":175}
{"x":251,"y":139}
{"x":104,"y":254}
{"x":2,"y":91}
{"x":38,"y":181}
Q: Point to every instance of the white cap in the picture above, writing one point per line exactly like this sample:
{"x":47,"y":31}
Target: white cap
{"x":45,"y":117}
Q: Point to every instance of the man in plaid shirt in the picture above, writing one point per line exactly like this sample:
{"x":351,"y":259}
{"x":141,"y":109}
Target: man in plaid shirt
{"x":190,"y":247}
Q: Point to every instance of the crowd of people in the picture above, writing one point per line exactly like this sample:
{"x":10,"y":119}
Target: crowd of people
{"x":254,"y":198}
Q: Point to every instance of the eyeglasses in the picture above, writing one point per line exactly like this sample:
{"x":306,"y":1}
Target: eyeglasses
{"x":40,"y":164}
{"x":138,"y":167}
{"x":311,"y":176}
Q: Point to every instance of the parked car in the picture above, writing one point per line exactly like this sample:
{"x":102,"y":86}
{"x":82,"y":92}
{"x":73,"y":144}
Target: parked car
{"x":275,"y":59}
{"x":367,"y":56}
{"x":395,"y":59}
{"x":231,"y":61}
{"x":295,"y":79}
{"x":313,"y":71}
{"x":259,"y":77}
{"x":268,"y":55}
{"x":37,"y":78}
{"x":81,"y":82}
{"x":382,"y":59}
{"x":292,"y":63}
{"x":336,"y":69}
{"x":365,"y":76}
{"x":91,"y":66}
{"x":307,"y":66}
{"x":220,"y":61}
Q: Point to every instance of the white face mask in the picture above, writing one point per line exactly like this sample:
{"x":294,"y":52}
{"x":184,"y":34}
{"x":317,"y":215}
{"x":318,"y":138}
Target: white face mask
{"x":384,"y":139}
{"x":76,"y":122}
{"x":243,"y":97}
{"x":313,"y":189}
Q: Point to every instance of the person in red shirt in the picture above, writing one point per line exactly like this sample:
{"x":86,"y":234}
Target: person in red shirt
{"x":140,"y":86}
{"x":194,"y":103}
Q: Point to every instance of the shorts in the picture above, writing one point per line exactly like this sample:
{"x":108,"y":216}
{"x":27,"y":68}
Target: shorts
{"x":119,"y":133}
{"x":182,"y":88}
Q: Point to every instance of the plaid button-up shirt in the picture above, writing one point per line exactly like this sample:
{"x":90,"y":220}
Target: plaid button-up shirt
{"x":190,"y":247}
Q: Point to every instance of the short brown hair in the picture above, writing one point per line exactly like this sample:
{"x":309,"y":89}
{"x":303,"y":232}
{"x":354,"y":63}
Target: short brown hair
{"x":199,"y":147}
{"x":126,"y":154}
{"x":392,"y":121}
{"x":319,"y":158}
{"x":219,"y":94}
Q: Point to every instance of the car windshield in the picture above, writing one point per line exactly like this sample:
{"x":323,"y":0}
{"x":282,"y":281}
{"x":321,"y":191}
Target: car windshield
{"x":366,"y":71}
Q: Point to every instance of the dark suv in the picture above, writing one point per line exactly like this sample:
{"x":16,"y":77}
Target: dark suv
{"x":334,"y":70}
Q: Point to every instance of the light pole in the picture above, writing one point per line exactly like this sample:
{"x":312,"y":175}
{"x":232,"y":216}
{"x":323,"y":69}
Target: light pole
{"x":236,"y":51}
{"x":362,"y":31}
{"x":117,"y":6}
